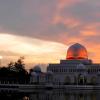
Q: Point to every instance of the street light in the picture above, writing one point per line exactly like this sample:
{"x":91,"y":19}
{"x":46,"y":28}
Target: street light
{"x":0,"y":60}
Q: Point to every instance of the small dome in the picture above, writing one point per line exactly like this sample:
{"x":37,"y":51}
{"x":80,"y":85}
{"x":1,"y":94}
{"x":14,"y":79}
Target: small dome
{"x":37,"y":69}
{"x":81,"y":66}
{"x":33,"y":74}
{"x":49,"y":72}
{"x":77,"y":51}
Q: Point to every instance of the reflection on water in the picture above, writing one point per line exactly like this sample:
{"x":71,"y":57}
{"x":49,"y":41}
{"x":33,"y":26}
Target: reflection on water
{"x":53,"y":95}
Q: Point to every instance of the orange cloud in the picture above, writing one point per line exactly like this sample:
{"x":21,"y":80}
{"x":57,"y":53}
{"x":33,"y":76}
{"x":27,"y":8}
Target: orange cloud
{"x":94,"y":51}
{"x":64,"y":3}
{"x":88,"y":33}
{"x":57,"y":19}
{"x":92,"y":26}
{"x":69,"y":22}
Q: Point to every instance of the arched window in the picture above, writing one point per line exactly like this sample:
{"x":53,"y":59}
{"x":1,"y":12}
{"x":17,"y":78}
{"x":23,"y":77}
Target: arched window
{"x":67,"y":80}
{"x":93,"y":80}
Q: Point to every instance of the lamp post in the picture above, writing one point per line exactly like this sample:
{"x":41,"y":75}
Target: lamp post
{"x":0,"y":60}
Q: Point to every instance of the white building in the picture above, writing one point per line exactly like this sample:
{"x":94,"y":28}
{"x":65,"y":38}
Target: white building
{"x":75,"y":69}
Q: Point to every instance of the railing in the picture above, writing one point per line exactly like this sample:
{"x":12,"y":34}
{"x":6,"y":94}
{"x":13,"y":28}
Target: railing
{"x":32,"y":87}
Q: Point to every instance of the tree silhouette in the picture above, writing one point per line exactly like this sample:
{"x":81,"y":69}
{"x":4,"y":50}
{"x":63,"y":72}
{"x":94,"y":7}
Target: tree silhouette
{"x":11,"y":66}
{"x":15,"y":72}
{"x":22,"y":74}
{"x":19,"y":65}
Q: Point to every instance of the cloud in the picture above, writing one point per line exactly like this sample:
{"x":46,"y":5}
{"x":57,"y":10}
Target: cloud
{"x":89,"y":33}
{"x":47,"y":19}
{"x":34,"y":50}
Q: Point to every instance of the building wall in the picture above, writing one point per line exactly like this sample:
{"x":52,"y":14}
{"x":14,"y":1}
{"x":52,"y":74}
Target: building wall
{"x":69,"y":73}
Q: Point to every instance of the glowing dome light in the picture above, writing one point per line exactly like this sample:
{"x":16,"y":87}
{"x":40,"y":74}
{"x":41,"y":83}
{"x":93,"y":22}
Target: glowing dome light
{"x":77,"y":51}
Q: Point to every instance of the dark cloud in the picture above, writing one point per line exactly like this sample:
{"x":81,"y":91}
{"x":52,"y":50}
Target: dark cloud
{"x":26,"y":17}
{"x":34,"y":18}
{"x":84,"y":11}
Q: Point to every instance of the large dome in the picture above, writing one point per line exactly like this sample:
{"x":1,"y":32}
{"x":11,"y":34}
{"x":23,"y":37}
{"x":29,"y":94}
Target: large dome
{"x":77,"y":51}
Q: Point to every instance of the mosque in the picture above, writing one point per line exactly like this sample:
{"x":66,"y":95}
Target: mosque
{"x":76,"y":69}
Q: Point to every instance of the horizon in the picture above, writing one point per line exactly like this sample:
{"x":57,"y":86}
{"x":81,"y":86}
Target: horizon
{"x":43,"y":66}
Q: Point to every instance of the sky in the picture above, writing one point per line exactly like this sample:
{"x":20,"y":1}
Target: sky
{"x":42,"y":30}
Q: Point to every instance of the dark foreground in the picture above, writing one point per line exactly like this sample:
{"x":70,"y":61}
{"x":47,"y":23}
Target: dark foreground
{"x":52,"y":95}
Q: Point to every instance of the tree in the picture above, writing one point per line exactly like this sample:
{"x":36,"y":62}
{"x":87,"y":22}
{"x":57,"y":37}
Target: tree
{"x":22,"y":74}
{"x":19,"y":65}
{"x":15,"y":72}
{"x":11,"y":66}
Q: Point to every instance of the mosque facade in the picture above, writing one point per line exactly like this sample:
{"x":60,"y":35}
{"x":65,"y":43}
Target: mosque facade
{"x":76,"y":69}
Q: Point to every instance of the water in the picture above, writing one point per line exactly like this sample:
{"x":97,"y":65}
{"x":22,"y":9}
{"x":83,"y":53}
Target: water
{"x":53,"y":95}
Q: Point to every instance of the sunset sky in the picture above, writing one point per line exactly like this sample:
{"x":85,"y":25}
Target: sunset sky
{"x":42,"y":30}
